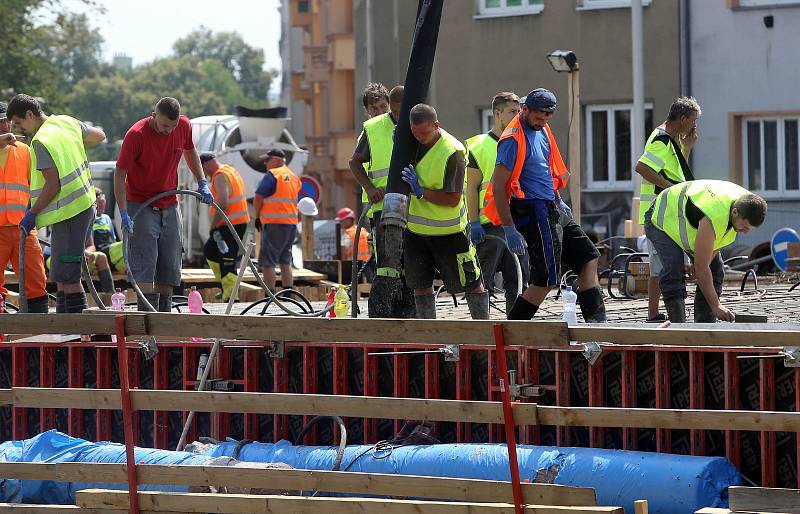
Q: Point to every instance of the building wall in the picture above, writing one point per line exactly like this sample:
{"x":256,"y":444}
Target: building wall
{"x":291,"y":49}
{"x":738,"y":65}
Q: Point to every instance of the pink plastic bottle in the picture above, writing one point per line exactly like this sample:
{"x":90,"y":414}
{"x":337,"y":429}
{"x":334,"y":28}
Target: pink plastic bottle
{"x":117,"y":304}
{"x":195,"y":304}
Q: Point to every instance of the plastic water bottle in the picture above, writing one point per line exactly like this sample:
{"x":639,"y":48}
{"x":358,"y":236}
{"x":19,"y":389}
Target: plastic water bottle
{"x":117,"y":304}
{"x":221,"y":244}
{"x":201,"y":366}
{"x":195,"y":304}
{"x":570,"y":314}
{"x":341,"y":303}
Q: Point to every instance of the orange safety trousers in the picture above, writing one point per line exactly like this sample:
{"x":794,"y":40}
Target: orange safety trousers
{"x":35,"y":278}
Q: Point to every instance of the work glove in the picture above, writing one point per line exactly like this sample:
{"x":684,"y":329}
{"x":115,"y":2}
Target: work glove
{"x":28,"y":222}
{"x":258,"y":224}
{"x":476,"y":232}
{"x":563,"y":207}
{"x":516,"y":243}
{"x":410,"y":177}
{"x":205,"y":192}
{"x":127,"y":222}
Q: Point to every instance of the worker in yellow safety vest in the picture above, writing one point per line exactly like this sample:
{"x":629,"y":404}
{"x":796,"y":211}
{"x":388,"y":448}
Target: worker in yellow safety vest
{"x":435,"y":237}
{"x":221,"y":249}
{"x":62,"y":195}
{"x":275,"y":202}
{"x":347,"y":221}
{"x":664,"y":163}
{"x":697,"y":219}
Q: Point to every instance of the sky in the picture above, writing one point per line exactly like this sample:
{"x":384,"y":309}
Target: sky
{"x":132,"y":27}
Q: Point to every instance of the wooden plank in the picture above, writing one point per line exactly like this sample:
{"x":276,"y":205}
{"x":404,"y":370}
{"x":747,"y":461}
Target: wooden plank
{"x":712,"y":510}
{"x":256,"y":504}
{"x":12,"y":508}
{"x":294,"y":479}
{"x":69,"y":324}
{"x":685,"y":336}
{"x":764,"y":499}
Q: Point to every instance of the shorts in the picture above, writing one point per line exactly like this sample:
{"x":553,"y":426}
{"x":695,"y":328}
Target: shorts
{"x":155,"y":248}
{"x":538,"y":222}
{"x":277,"y":240}
{"x":655,"y":260}
{"x":452,"y":255}
{"x":67,"y":242}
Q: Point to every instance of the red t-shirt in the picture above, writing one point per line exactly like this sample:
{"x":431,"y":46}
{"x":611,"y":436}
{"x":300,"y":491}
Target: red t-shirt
{"x":151,"y":160}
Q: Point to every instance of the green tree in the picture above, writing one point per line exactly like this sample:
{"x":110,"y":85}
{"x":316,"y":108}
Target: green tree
{"x":243,"y":61}
{"x":73,"y":47}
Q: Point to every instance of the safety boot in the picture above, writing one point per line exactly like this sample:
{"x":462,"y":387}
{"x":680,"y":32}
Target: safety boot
{"x":522,"y":310}
{"x":702,"y":311}
{"x":592,"y":306}
{"x":478,"y":304}
{"x":426,"y":306}
{"x":676,"y":310}
{"x":152,"y":298}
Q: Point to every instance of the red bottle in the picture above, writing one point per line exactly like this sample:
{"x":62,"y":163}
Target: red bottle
{"x":331,"y":296}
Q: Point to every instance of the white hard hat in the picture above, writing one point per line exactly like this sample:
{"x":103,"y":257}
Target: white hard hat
{"x":307,"y":206}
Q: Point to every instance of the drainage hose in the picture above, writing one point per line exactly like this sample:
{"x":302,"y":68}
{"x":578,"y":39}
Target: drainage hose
{"x":337,"y":462}
{"x":516,"y":262}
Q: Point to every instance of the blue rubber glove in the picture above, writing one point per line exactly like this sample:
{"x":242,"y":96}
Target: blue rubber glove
{"x":476,"y":232}
{"x":203,"y":189}
{"x":410,"y":178}
{"x":516,"y":243}
{"x":563,"y":207}
{"x":127,"y":222}
{"x":28,"y":222}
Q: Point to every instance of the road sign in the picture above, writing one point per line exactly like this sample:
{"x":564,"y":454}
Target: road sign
{"x":310,"y":188}
{"x":779,"y":246}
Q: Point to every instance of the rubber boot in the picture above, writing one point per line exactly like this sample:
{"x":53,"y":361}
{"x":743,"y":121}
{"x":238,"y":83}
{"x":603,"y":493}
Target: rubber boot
{"x":106,"y":280}
{"x":592,"y":306}
{"x":522,"y":309}
{"x":153,"y":298}
{"x":227,"y":282}
{"x":510,"y":303}
{"x":61,"y":302}
{"x":478,"y":304}
{"x":39,"y":305}
{"x":426,"y":306}
{"x":215,"y":269}
{"x":676,"y":310}
{"x":75,"y":303}
{"x":702,"y":311}
{"x":164,"y":303}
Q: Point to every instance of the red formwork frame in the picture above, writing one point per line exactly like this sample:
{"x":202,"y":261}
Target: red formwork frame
{"x":528,"y":368}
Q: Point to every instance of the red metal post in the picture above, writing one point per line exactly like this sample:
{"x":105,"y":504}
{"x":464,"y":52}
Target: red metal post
{"x":563,"y":363}
{"x":400,"y":383}
{"x":19,"y":378}
{"x":340,"y":378}
{"x":280,"y":385}
{"x":103,"y":382}
{"x":464,"y":393}
{"x":596,"y":434}
{"x":127,"y":415}
{"x":662,"y":378}
{"x":629,"y":435}
{"x":161,"y":382}
{"x":733,"y":447}
{"x":508,"y":416}
{"x":370,"y":389}
{"x":47,"y":378}
{"x":697,"y":391}
{"x":767,"y":439}
{"x":251,"y":369}
{"x":75,"y":379}
{"x":310,"y":386}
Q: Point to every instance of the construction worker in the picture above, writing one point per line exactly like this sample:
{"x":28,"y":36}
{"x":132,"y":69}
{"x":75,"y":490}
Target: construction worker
{"x":103,"y":249}
{"x":275,"y":202}
{"x":699,"y":218}
{"x":14,"y":197}
{"x":229,"y":193}
{"x":493,"y":255}
{"x":62,"y":195}
{"x":436,"y":238}
{"x":147,"y":166}
{"x":664,"y":163}
{"x":524,"y":198}
{"x":347,"y":221}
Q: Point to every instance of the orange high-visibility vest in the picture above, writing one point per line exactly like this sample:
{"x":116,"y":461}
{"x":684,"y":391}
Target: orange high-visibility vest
{"x":237,"y":199}
{"x":558,"y":169}
{"x":14,"y":185}
{"x":363,"y":245}
{"x":281,"y":207}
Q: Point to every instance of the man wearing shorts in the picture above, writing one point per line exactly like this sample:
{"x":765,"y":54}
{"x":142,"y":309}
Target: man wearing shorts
{"x":275,"y":203}
{"x":523,"y":197}
{"x":147,"y":166}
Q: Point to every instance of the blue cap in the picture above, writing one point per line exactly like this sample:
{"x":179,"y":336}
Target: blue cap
{"x":541,"y":99}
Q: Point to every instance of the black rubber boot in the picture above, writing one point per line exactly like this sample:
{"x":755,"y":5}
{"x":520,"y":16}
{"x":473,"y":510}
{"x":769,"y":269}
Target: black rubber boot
{"x":676,"y":310}
{"x":61,"y":302}
{"x":426,"y":306}
{"x":106,"y":280}
{"x":76,"y":303}
{"x":153,"y":298}
{"x":522,"y":309}
{"x":702,"y":311}
{"x":510,"y":303}
{"x":164,"y":303}
{"x":478,"y":304}
{"x":39,"y":305}
{"x":592,"y":306}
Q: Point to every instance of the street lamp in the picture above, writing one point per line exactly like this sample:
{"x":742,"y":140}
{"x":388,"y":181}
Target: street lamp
{"x":565,"y":61}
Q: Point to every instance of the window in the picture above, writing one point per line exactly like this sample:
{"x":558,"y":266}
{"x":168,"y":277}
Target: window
{"x":487,"y":120}
{"x":585,"y":5}
{"x":734,"y":4}
{"x":303,"y":5}
{"x":492,"y":8}
{"x":771,"y":155}
{"x":609,"y":153}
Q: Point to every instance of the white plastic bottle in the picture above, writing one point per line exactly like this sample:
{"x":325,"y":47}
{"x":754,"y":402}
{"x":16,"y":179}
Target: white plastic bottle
{"x":570,"y":313}
{"x":195,"y":304}
{"x":117,"y":304}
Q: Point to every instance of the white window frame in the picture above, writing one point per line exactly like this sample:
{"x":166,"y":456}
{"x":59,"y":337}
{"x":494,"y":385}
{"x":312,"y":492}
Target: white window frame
{"x":487,"y":120}
{"x":590,"y":5}
{"x":758,"y":4}
{"x":482,"y":11}
{"x":612,"y":184}
{"x":781,"y":192}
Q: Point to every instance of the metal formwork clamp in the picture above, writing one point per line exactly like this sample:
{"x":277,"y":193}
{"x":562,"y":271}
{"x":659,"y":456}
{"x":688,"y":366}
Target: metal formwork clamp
{"x":791,"y":356}
{"x":592,"y":351}
{"x":277,"y":349}
{"x":451,"y":352}
{"x":519,"y":391}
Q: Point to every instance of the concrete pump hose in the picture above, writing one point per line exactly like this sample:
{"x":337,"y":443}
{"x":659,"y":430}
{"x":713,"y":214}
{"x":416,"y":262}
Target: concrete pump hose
{"x":354,"y":269}
{"x":516,"y":261}
{"x":221,"y":212}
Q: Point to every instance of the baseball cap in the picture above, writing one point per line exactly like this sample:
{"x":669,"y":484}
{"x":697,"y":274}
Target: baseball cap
{"x":540,"y":99}
{"x":3,"y":109}
{"x":206,"y":156}
{"x":275,"y":152}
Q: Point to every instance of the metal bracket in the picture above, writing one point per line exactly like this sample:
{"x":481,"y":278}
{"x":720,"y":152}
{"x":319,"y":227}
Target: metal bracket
{"x":592,"y":351}
{"x":219,"y":384}
{"x":149,"y":347}
{"x":791,"y":357}
{"x":451,"y":352}
{"x":517,"y":391}
{"x":277,"y":349}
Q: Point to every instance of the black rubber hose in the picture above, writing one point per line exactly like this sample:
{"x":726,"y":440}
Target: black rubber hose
{"x":288,"y":293}
{"x":354,"y":265}
{"x":342,"y":438}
